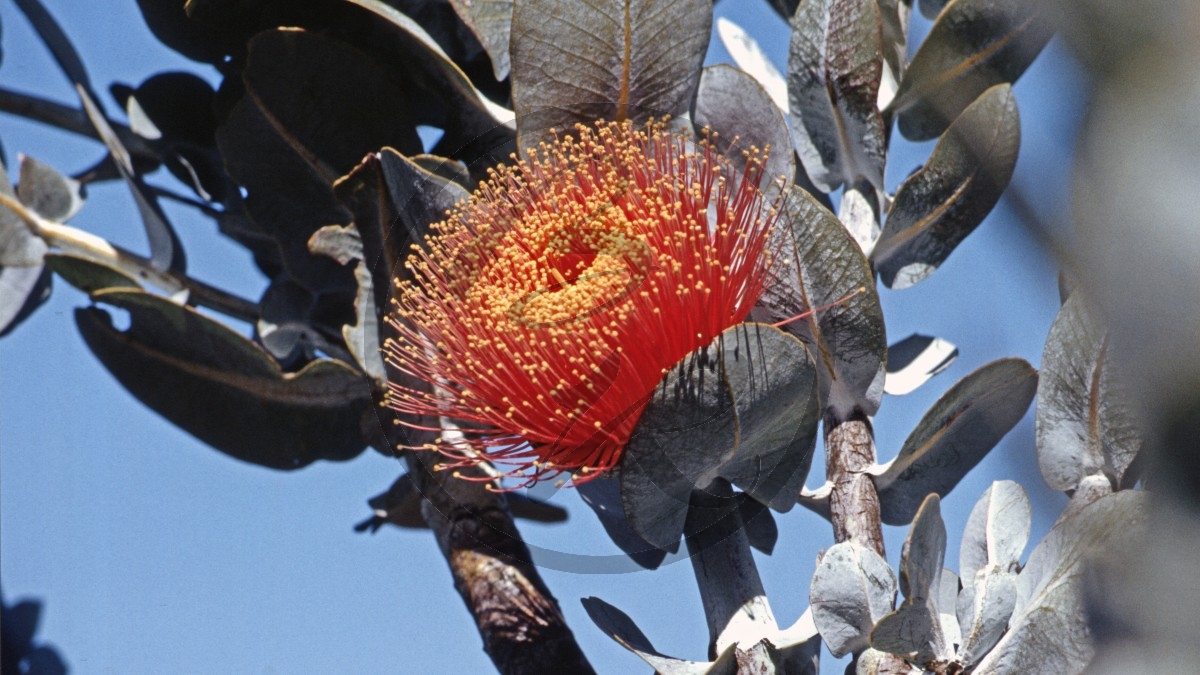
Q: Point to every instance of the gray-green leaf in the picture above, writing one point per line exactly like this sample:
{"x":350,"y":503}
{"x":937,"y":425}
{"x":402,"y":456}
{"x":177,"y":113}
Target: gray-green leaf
{"x":957,"y":432}
{"x":938,"y":206}
{"x":731,"y":103}
{"x":973,"y":45}
{"x":835,"y":63}
{"x":852,"y":588}
{"x":820,"y":266}
{"x":1085,"y":420}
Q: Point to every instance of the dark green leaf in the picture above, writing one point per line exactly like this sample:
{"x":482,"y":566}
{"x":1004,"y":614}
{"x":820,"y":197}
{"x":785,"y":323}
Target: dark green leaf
{"x":224,"y":389}
{"x":956,"y":433}
{"x":761,"y":530}
{"x":743,"y":409}
{"x":1085,"y":418}
{"x":22,"y":290}
{"x":973,"y":45}
{"x":166,"y":251}
{"x":938,"y":206}
{"x":88,"y":275}
{"x":169,"y":22}
{"x":835,"y":63}
{"x":731,"y":103}
{"x":852,"y":588}
{"x":577,"y":62}
{"x":490,"y":21}
{"x":1049,"y":607}
{"x":820,"y":266}
{"x":175,"y":111}
{"x":52,"y":195}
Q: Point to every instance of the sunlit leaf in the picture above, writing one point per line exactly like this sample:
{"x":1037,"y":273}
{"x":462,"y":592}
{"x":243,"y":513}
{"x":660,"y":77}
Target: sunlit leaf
{"x":851,"y":589}
{"x":1049,"y":607}
{"x":914,"y":360}
{"x":52,"y":195}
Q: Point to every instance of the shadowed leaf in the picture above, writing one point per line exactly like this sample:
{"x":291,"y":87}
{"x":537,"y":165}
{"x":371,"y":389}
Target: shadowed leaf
{"x":1085,"y":420}
{"x":166,"y":251}
{"x":956,"y":433}
{"x":224,"y":389}
{"x":19,"y":247}
{"x":852,"y":588}
{"x":618,"y":626}
{"x":743,"y":409}
{"x":938,"y":206}
{"x":973,"y":45}
{"x":835,"y":62}
{"x":490,"y":21}
{"x":89,"y":275}
{"x":581,"y":61}
{"x":731,"y":103}
{"x":820,"y":266}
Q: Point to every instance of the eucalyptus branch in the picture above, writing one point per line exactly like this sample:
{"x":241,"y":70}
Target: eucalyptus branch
{"x":522,"y":627}
{"x":735,"y":604}
{"x":70,"y":119}
{"x":853,"y":499}
{"x":74,"y":241}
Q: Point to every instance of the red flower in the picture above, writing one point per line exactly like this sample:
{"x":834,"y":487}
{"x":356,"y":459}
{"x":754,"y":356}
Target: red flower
{"x":546,"y":309}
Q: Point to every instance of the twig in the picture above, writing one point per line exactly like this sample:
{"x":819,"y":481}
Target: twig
{"x":86,"y":245}
{"x":853,"y":500}
{"x":70,"y":119}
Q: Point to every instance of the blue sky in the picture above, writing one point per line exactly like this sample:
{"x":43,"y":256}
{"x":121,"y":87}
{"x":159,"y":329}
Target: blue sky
{"x":154,"y":553}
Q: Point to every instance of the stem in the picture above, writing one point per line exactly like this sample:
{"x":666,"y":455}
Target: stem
{"x":522,"y":627}
{"x":74,"y":241}
{"x":70,"y":119}
{"x":853,"y":500}
{"x":734,"y":602}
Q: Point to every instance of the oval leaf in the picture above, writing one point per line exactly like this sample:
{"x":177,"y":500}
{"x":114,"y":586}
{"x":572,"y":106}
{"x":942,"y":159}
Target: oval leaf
{"x":1085,"y":420}
{"x":938,"y":206}
{"x":956,"y":433}
{"x":1049,"y":608}
{"x":820,"y":266}
{"x":994,"y":596}
{"x":577,"y":62}
{"x":973,"y":45}
{"x":852,"y":588}
{"x":743,"y":409}
{"x":835,"y":62}
{"x":45,"y":190}
{"x":618,"y":626}
{"x":731,"y":103}
{"x":997,"y":530}
{"x":89,"y":275}
{"x":224,"y":389}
